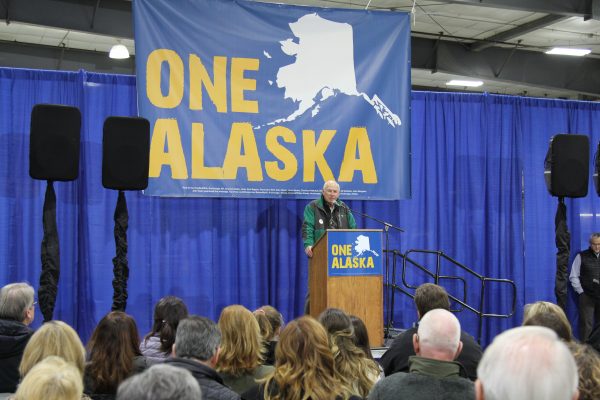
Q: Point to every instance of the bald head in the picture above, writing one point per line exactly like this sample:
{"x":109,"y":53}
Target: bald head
{"x":438,"y":336}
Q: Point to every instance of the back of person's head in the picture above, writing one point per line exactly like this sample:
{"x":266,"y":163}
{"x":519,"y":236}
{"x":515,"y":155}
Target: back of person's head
{"x":241,"y":342}
{"x":361,"y":335}
{"x":160,"y":382}
{"x":198,"y":338}
{"x":527,"y":363}
{"x":588,"y":366}
{"x":51,"y":379}
{"x":15,"y":300}
{"x":438,"y":336}
{"x":54,"y":338}
{"x":304,"y":366}
{"x":114,"y":344}
{"x":550,"y":315}
{"x":167,"y":313}
{"x":429,"y":296}
{"x":270,"y":322}
{"x":357,"y":372}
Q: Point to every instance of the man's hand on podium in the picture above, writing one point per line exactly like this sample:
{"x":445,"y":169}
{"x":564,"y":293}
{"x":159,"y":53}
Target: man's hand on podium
{"x":308,"y":251}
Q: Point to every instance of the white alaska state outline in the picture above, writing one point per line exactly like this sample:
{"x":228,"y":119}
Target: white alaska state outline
{"x":324,"y":68}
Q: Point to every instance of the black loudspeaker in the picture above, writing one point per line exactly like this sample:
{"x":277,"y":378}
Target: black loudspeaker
{"x":125,"y":153}
{"x":54,"y":142}
{"x":566,"y":168}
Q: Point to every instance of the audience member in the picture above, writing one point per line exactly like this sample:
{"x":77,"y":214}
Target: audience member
{"x":357,"y":372}
{"x":429,"y":297}
{"x":196,"y":349}
{"x":160,"y":382}
{"x":54,"y":338}
{"x":270,"y":322}
{"x":433,"y":373}
{"x":361,"y":335}
{"x":114,"y":355}
{"x":51,"y":379}
{"x":240,"y":361}
{"x":17,"y":310}
{"x":543,"y":313}
{"x":527,"y":363}
{"x":304,"y":366}
{"x":157,"y":344}
{"x":588,"y":366}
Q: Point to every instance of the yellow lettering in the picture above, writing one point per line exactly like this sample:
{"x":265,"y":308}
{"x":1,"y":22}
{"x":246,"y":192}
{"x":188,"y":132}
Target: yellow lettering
{"x":199,"y":170}
{"x":242,"y":135}
{"x":370,"y":263}
{"x":290,"y":164}
{"x":215,"y":88}
{"x":240,"y":84}
{"x":153,"y":78}
{"x":166,"y":131}
{"x":335,"y":263}
{"x":314,"y":153}
{"x":358,"y":139}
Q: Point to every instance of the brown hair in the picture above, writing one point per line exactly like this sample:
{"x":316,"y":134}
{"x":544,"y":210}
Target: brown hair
{"x":304,"y":366}
{"x":269,"y":320}
{"x":167,"y":313}
{"x":113,"y":345}
{"x":588,"y":366}
{"x":241,"y":343}
{"x":429,"y":296}
{"x":550,"y":315}
{"x":54,"y":338}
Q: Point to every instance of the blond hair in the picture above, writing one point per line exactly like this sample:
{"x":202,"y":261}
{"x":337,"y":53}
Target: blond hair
{"x":544,"y":313}
{"x":241,"y":342}
{"x":54,"y":338}
{"x":51,"y":379}
{"x":588,"y":366}
{"x":304,"y":366}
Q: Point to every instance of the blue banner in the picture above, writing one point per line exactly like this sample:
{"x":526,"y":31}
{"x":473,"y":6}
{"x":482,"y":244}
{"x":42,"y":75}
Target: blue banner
{"x":351,"y":253}
{"x":248,"y":99}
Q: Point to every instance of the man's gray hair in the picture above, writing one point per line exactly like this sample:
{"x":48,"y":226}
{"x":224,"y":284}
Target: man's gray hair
{"x":594,"y":235}
{"x":197,"y":337}
{"x":331,"y":183}
{"x":160,"y":382}
{"x":15,"y":300}
{"x":439,"y":330}
{"x":528,"y":363}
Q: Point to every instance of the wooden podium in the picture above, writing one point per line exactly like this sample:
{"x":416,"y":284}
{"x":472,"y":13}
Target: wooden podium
{"x":345,"y":272}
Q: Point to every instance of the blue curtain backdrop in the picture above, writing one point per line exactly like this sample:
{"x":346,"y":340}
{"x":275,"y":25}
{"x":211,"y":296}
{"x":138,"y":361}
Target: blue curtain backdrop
{"x":478,"y":196}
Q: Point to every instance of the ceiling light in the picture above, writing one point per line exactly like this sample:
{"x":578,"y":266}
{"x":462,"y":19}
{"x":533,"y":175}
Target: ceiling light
{"x":119,"y":52}
{"x":565,"y":51}
{"x":457,"y":82}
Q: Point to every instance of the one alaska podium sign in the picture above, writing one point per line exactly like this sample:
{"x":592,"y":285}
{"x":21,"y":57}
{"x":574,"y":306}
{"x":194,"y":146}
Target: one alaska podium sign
{"x":352,"y":253}
{"x":248,"y":99}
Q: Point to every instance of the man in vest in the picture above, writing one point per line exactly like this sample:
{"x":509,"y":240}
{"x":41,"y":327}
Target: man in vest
{"x":585,"y":279}
{"x":327,"y":212}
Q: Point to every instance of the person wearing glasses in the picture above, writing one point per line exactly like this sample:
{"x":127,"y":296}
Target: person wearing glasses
{"x":326,"y":212}
{"x":17,"y":311}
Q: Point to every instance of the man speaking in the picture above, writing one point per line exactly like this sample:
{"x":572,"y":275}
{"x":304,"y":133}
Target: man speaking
{"x":327,"y":212}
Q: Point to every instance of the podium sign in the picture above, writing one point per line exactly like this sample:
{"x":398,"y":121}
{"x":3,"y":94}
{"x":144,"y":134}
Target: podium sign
{"x":346,"y":273}
{"x":352,"y":253}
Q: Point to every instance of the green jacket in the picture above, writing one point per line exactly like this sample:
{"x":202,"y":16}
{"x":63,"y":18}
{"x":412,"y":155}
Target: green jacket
{"x":318,"y":218}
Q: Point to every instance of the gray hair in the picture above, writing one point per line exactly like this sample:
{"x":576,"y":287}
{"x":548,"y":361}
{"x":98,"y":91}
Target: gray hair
{"x":594,"y":235}
{"x":15,"y":300}
{"x":197,"y":337}
{"x":528,"y":363}
{"x":160,"y":382}
{"x":331,"y":183}
{"x":439,"y":330}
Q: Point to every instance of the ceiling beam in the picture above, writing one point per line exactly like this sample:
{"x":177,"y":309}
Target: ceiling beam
{"x":570,"y":8}
{"x":517,"y":31}
{"x":578,"y":74}
{"x":106,"y":17}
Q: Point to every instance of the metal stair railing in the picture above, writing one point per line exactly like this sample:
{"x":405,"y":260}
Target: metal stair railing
{"x":437,"y":277}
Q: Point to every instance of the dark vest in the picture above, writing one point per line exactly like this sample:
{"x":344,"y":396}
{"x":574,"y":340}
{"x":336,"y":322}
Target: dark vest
{"x":590,"y":273}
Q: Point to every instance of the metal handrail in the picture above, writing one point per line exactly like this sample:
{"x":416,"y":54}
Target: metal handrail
{"x":406,"y":260}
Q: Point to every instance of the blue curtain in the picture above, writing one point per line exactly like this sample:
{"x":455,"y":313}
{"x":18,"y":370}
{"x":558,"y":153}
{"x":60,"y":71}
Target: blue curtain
{"x":478,"y":196}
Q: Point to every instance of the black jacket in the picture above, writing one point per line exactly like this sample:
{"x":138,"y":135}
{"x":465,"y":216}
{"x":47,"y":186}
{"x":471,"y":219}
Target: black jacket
{"x":14,"y":336}
{"x":210,"y":382}
{"x":395,"y":359}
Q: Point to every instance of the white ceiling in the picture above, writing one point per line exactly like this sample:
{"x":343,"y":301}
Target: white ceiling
{"x":462,"y":23}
